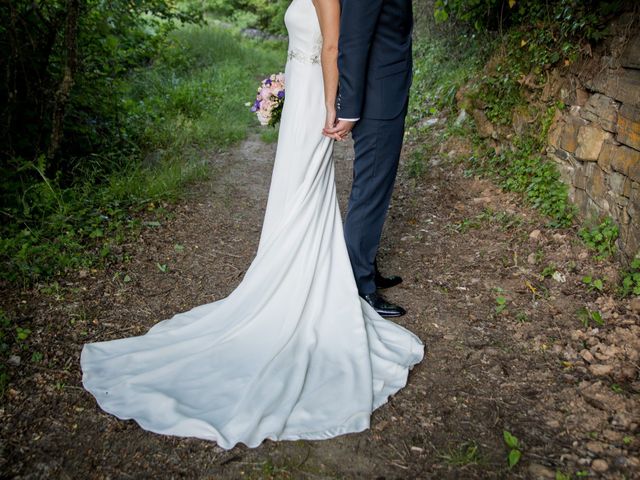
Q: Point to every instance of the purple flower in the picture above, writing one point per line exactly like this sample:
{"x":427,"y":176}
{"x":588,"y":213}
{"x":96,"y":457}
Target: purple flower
{"x":267,"y":81}
{"x":281,"y":94}
{"x":256,"y":106}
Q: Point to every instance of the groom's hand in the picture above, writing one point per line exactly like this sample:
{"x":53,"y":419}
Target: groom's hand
{"x":340,"y":130}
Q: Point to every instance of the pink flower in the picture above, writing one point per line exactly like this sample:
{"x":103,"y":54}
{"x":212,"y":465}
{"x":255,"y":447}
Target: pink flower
{"x":276,"y":87}
{"x":266,"y":105}
{"x":263,"y":117}
{"x":265,"y":93}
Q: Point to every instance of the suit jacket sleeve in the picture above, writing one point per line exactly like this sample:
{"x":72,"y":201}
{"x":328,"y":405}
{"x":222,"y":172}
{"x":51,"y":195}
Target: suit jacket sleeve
{"x":358,"y":22}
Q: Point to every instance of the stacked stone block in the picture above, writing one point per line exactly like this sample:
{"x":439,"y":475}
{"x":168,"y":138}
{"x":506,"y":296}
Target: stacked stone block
{"x":596,"y":141}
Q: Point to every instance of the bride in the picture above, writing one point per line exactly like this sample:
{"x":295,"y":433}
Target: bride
{"x":293,"y":352}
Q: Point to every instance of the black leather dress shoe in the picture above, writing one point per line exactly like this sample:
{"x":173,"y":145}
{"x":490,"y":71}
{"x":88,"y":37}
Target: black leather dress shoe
{"x":383,"y":307}
{"x":386,"y":282}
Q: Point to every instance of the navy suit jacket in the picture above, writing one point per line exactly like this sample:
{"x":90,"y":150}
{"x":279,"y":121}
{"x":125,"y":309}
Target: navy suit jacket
{"x":374,"y":58}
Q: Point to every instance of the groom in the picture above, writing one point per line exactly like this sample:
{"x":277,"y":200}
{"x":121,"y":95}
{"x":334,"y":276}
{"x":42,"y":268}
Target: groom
{"x":375,"y":65}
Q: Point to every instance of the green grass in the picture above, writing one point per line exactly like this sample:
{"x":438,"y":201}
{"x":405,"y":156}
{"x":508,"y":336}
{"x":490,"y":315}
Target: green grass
{"x":197,"y":92}
{"x":417,"y":165}
{"x":269,"y":135}
{"x":463,"y":454}
{"x":189,"y":102}
{"x":522,"y":169}
{"x":440,"y":71}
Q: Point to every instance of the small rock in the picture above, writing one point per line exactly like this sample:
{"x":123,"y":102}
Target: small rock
{"x":586,"y":355}
{"x":14,"y":360}
{"x":535,"y":235}
{"x":577,"y":335}
{"x":600,"y":370}
{"x":538,"y":471}
{"x":633,"y":461}
{"x":595,"y":447}
{"x":483,"y":125}
{"x":428,"y":122}
{"x":381,"y":425}
{"x":620,"y":461}
{"x":611,"y":350}
{"x":569,"y":457}
{"x":462,"y":116}
{"x":600,"y":465}
{"x":601,"y":356}
{"x":626,"y":373}
{"x":531,"y":259}
{"x":635,"y":304}
{"x":622,"y":419}
{"x":612,"y":435}
{"x":591,"y":341}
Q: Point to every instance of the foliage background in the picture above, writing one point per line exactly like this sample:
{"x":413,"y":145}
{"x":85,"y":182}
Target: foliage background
{"x":111,"y":106}
{"x":140,"y":91}
{"x":495,"y":56}
{"x":265,"y":15}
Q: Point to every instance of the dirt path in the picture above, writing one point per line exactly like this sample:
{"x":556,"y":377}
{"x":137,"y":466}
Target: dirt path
{"x":525,"y":365}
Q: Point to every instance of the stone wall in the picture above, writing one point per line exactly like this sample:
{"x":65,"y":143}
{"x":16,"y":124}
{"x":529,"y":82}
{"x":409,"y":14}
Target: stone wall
{"x":595,"y":141}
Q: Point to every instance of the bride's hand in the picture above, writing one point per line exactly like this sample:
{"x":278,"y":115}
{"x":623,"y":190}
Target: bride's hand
{"x":341,"y":128}
{"x":330,"y":122}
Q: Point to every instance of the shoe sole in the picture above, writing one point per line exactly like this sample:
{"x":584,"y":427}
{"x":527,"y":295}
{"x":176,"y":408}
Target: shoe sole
{"x":393,"y":315}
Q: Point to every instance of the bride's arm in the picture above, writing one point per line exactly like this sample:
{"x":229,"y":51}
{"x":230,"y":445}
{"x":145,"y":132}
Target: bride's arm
{"x":329,"y":17}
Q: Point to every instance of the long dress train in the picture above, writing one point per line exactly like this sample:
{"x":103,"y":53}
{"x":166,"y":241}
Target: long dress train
{"x":293,"y":352}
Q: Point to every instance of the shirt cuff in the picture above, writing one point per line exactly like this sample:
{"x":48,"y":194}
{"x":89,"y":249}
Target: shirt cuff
{"x":349,"y":119}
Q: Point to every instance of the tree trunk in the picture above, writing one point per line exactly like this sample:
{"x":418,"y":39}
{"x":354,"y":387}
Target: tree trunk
{"x":64,"y":89}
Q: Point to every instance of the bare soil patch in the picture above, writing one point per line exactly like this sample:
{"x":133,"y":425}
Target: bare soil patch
{"x":524,"y":363}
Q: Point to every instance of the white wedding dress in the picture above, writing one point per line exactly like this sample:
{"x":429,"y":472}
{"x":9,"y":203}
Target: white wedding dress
{"x":293,"y":352}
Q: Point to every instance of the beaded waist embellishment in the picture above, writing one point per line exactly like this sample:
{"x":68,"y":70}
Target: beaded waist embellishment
{"x":300,"y":56}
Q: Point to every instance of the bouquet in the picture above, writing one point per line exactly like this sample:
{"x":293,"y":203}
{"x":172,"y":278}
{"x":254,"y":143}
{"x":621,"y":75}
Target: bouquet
{"x":270,"y":98}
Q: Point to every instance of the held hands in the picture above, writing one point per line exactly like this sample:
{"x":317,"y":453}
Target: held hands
{"x":338,"y":130}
